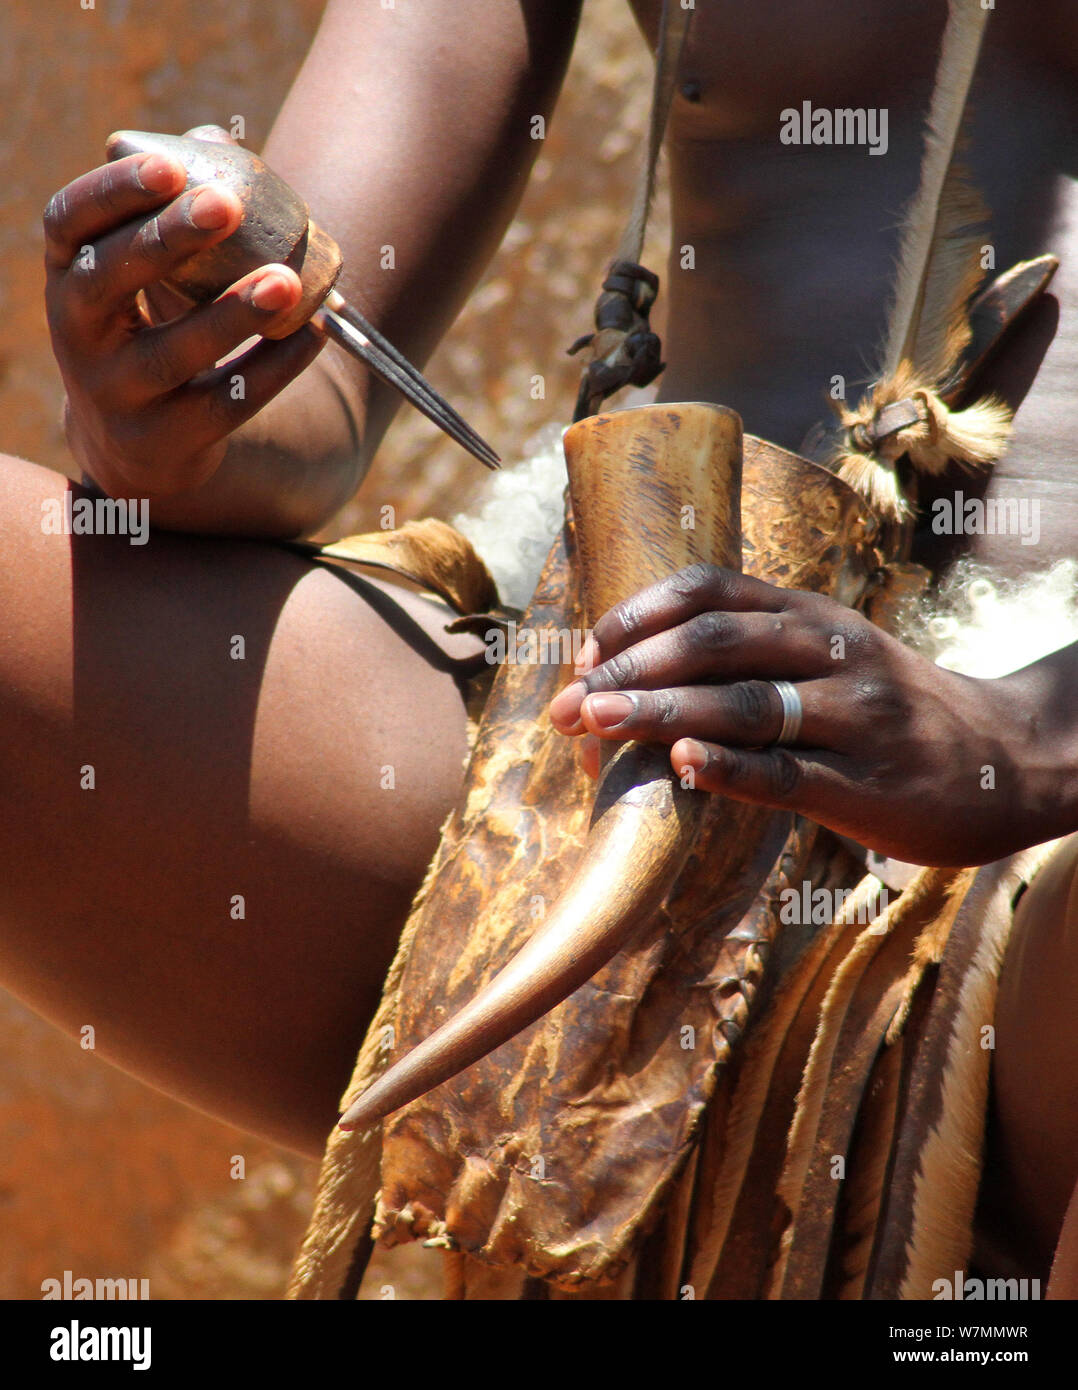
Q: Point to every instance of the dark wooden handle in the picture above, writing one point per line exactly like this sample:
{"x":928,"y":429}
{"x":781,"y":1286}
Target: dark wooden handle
{"x":276,"y":224}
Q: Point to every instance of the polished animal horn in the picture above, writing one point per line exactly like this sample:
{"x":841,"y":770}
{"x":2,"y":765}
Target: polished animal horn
{"x":635,"y":477}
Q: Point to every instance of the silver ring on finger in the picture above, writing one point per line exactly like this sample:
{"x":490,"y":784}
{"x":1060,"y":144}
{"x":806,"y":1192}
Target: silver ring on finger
{"x":793,"y":712}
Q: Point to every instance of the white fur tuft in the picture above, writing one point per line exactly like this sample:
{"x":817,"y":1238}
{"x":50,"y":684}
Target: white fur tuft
{"x":519,"y":517}
{"x":982,"y":624}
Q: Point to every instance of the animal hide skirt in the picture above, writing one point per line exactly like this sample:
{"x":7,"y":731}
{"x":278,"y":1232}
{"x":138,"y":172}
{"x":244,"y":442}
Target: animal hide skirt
{"x":844,"y":1157}
{"x":831,"y":1149}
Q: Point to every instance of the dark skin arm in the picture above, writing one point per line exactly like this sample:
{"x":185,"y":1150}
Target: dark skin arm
{"x":695,"y":652}
{"x":425,"y":147}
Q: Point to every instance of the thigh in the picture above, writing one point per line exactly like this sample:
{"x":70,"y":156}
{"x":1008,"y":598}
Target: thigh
{"x":1035,"y":1065}
{"x":222,"y":774}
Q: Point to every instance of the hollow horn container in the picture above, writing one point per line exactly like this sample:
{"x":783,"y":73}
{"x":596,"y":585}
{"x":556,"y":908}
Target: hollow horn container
{"x":653,"y":489}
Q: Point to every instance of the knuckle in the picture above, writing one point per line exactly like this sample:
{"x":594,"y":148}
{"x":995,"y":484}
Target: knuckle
{"x":839,"y":626}
{"x":783,"y":774}
{"x":866,"y":692}
{"x":666,"y":707}
{"x":880,"y":700}
{"x":807,"y":600}
{"x":730,"y":765}
{"x":713,"y":630}
{"x":54,"y":217}
{"x":752,"y":704}
{"x":150,"y":242}
{"x":622,"y":620}
{"x":688,"y":582}
{"x":231,"y":319}
{"x":831,"y":644}
{"x":858,"y":634}
{"x":815,"y":612}
{"x":622,"y":669}
{"x":826,"y":622}
{"x":104,"y":187}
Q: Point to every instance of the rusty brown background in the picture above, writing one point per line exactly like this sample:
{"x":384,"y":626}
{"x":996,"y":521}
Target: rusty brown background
{"x":98,"y":1174}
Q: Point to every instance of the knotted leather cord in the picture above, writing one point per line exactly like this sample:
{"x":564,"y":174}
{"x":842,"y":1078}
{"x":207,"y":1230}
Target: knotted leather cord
{"x":673,"y":30}
{"x":623,"y":349}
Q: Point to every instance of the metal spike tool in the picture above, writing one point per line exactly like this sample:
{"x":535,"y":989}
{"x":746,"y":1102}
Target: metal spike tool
{"x":276,"y":227}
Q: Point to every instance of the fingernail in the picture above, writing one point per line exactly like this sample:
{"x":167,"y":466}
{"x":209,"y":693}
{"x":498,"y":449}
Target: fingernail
{"x":273,"y":291}
{"x":155,"y":174}
{"x":589,"y":655}
{"x":208,"y":210}
{"x":695,"y":753}
{"x":565,"y":706}
{"x":609,"y":710}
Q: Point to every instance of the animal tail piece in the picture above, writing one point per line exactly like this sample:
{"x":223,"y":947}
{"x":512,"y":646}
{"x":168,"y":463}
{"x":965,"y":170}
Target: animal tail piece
{"x":939,"y":268}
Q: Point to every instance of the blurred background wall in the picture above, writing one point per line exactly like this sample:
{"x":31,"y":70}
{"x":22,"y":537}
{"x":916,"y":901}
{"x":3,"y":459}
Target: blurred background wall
{"x":98,"y":1174}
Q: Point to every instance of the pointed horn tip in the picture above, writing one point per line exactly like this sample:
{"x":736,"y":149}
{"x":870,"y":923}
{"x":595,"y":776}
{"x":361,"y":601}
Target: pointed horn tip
{"x":545,"y":971}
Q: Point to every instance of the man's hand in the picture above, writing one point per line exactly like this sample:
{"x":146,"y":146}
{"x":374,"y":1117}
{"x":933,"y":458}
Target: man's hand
{"x":147,"y":412}
{"x":909,"y":759}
